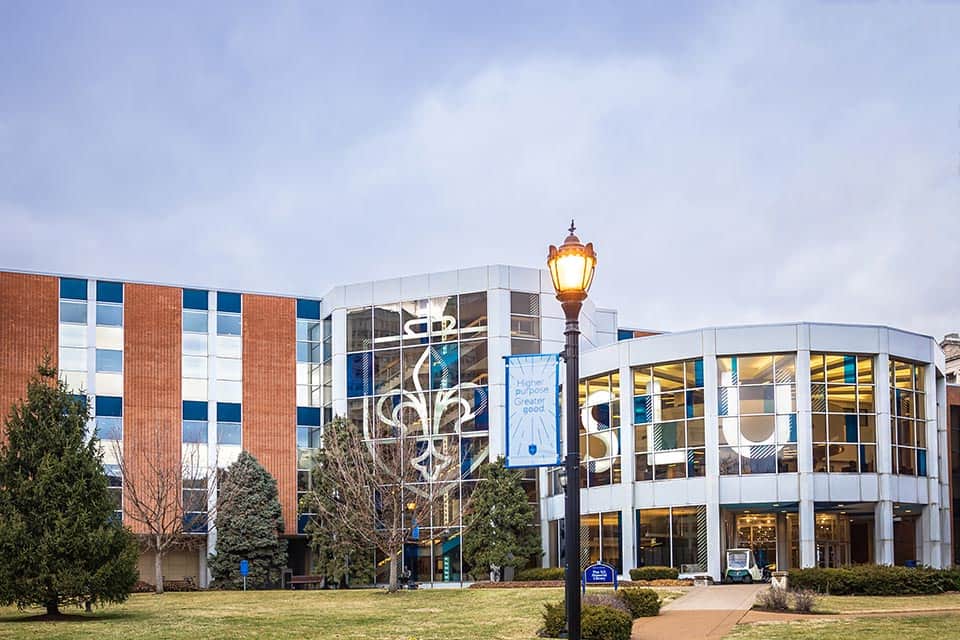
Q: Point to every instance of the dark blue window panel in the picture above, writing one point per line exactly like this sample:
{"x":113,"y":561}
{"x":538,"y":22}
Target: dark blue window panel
{"x":921,"y":462}
{"x":109,"y":406}
{"x":444,"y":370}
{"x":308,"y":416}
{"x":308,"y":309}
{"x":229,"y":433}
{"x":302,"y":522}
{"x":228,"y":412}
{"x":228,"y":301}
{"x":624,"y":334}
{"x":792,"y":437}
{"x":195,"y":299}
{"x":194,"y":431}
{"x":698,"y":372}
{"x":481,"y":409}
{"x":194,"y":522}
{"x":851,"y":427}
{"x":359,"y":374}
{"x":80,"y":399}
{"x":850,"y":369}
{"x":73,"y":288}
{"x":641,"y":409}
{"x":109,"y":291}
{"x":195,"y":410}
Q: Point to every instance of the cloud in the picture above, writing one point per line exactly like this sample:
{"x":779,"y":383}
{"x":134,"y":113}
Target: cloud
{"x":780,"y":166}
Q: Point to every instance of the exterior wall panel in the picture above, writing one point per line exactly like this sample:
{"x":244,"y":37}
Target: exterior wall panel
{"x":151,"y":382}
{"x":29,"y":316}
{"x":270,"y":393}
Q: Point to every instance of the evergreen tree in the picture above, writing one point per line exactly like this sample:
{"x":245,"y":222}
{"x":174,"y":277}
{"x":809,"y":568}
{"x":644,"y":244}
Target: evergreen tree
{"x":338,"y":556}
{"x":500,"y":522}
{"x":59,"y":541}
{"x":249,"y":522}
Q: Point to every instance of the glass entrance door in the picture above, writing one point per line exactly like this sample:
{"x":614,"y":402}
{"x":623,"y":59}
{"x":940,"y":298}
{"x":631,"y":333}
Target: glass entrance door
{"x":758,"y":532}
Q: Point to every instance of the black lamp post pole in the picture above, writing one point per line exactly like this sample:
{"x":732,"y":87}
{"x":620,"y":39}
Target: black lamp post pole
{"x":571,"y":524}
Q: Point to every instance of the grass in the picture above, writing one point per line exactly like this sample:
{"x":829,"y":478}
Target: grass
{"x":503,"y":614}
{"x":879,"y":628}
{"x":853,"y":604}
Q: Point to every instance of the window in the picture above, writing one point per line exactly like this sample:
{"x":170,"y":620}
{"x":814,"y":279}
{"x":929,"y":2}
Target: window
{"x":109,"y":315}
{"x":843,"y":416}
{"x":195,"y":505}
{"x":600,"y":533}
{"x":524,"y":322}
{"x":195,"y":322}
{"x":228,"y":324}
{"x":229,"y":429}
{"x":309,"y":353}
{"x":668,"y":420}
{"x":758,"y":414}
{"x":195,"y":431}
{"x":908,"y":427}
{"x":672,"y":537}
{"x":115,"y":487}
{"x":600,"y":430}
{"x":109,"y":427}
{"x":73,"y":312}
{"x":109,"y":361}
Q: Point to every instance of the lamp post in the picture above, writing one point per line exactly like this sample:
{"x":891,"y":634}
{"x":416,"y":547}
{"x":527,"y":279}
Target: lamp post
{"x":571,"y":268}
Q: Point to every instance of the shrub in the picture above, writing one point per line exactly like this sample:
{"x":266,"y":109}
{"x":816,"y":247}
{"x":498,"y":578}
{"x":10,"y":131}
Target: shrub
{"x":873,"y":580}
{"x":554,"y":619}
{"x":605,"y":623}
{"x":804,"y":601}
{"x":654,"y":573}
{"x":773,"y":599}
{"x":641,"y":603}
{"x":537,"y":574}
{"x":605,"y":600}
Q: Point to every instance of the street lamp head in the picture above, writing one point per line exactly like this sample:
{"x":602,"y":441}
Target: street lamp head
{"x":571,"y":268}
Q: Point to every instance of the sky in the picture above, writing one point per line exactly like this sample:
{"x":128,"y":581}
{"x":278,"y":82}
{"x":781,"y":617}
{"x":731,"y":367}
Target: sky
{"x":733,"y":163}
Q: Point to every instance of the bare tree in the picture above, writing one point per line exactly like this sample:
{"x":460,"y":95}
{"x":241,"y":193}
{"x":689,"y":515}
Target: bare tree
{"x":165,"y":491}
{"x":378,"y":494}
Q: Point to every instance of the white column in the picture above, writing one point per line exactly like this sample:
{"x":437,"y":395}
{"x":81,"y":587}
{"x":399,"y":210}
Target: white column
{"x":92,"y":340}
{"x":943,"y":427}
{"x":628,"y":517}
{"x":807,"y":542}
{"x":542,"y":495}
{"x":931,"y":513}
{"x":339,"y":361}
{"x":711,"y":437}
{"x":212,"y":446}
{"x":498,"y":346}
{"x":883,"y":512}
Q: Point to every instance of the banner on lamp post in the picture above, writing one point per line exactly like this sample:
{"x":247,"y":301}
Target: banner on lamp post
{"x":533,"y":410}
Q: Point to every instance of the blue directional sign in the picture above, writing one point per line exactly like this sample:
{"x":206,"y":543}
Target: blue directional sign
{"x":244,"y":568}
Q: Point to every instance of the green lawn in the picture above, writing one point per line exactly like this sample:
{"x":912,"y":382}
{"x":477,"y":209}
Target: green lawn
{"x":507,"y":614}
{"x":853,"y":604}
{"x":872,"y":628}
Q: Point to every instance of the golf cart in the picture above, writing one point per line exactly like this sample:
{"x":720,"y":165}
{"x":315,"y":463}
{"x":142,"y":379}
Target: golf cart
{"x":742,"y":567}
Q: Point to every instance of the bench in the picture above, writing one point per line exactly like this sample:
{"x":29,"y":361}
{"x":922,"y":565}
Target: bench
{"x":305,"y":581}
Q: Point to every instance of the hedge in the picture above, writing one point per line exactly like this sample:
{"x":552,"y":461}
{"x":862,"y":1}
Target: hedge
{"x":596,"y":622}
{"x":537,"y":574}
{"x":875,"y":580}
{"x":654,"y":573}
{"x":642,"y":603}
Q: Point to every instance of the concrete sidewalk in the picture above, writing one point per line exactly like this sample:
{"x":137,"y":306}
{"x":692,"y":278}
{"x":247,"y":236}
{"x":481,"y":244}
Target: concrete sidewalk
{"x":706,"y":613}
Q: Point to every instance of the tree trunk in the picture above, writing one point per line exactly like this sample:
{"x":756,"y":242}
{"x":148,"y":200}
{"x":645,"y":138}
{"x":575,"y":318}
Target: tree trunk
{"x":158,"y":568}
{"x":53,"y":607}
{"x":394,"y":581}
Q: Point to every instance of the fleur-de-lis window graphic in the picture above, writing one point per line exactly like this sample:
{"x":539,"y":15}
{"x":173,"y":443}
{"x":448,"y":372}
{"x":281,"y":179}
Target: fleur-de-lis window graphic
{"x":413,"y":413}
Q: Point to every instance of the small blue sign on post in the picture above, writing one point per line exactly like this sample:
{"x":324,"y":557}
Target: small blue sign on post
{"x":244,"y":570}
{"x":599,"y":573}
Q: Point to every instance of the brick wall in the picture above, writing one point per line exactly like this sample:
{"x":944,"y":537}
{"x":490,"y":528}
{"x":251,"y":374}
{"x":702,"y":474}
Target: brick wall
{"x":151,"y":380}
{"x":269,"y":393}
{"x":29,"y":319}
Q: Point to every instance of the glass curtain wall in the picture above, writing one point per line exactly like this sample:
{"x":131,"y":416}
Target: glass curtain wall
{"x":758,"y":414}
{"x":843,"y":413}
{"x":908,"y":427}
{"x":600,"y":430}
{"x":668,"y":420}
{"x":673,"y":537}
{"x":600,"y":535}
{"x":418,"y":369}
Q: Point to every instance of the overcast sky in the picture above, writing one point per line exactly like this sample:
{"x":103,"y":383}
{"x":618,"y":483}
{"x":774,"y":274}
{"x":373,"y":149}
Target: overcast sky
{"x":732,"y":163}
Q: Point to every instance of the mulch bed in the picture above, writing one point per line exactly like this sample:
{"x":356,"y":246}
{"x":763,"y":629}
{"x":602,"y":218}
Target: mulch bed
{"x":559,"y":583}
